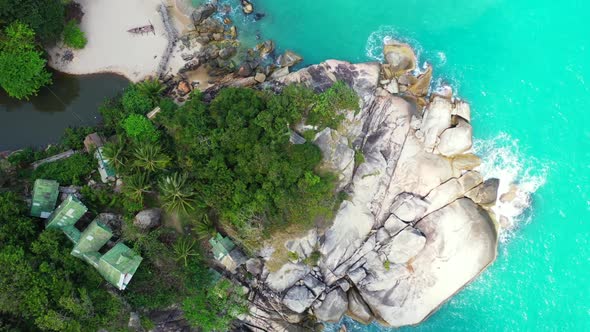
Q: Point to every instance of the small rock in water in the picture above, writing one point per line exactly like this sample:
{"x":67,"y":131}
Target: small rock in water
{"x":258,"y":16}
{"x":247,"y":7}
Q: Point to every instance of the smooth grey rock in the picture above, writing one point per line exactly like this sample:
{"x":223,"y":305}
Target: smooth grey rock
{"x":485,"y":193}
{"x":357,"y":275}
{"x":344,"y":285}
{"x":333,"y":307}
{"x":456,"y":140}
{"x":462,"y":242}
{"x":289,"y":58}
{"x":203,"y":12}
{"x":382,"y":235}
{"x":404,"y":246}
{"x":254,"y":266}
{"x":463,"y":110}
{"x":148,"y":219}
{"x":337,"y":156}
{"x":408,"y":207}
{"x":286,"y":276}
{"x":399,"y":56}
{"x":358,"y":309}
{"x":315,"y":285}
{"x":394,"y":225}
{"x":437,"y":118}
{"x":134,"y":322}
{"x":451,"y":190}
{"x":298,"y":299}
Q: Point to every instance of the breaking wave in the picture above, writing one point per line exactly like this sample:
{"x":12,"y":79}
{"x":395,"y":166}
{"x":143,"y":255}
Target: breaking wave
{"x":520,"y":177}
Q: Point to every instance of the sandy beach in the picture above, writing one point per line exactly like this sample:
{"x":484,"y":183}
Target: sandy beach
{"x":111,"y":48}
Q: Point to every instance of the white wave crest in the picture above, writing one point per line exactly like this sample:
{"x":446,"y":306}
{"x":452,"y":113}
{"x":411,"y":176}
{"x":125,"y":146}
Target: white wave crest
{"x":520,"y":177}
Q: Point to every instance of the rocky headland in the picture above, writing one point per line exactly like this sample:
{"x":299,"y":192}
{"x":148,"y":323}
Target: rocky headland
{"x":416,"y":226}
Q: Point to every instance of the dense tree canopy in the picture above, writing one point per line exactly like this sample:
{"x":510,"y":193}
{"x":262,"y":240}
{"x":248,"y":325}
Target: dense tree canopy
{"x":22,"y":68}
{"x":45,"y":17}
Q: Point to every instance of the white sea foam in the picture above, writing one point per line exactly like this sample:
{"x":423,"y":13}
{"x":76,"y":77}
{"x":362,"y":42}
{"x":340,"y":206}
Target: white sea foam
{"x":520,"y":176}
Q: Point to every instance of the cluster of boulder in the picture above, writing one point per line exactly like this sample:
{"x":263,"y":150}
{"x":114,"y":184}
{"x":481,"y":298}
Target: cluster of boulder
{"x":212,"y":43}
{"x":417,"y":226}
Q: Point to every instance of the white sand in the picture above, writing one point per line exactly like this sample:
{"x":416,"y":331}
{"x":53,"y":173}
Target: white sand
{"x":110,"y":47}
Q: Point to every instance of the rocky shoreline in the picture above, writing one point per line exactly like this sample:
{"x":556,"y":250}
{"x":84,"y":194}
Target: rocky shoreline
{"x":416,"y":227}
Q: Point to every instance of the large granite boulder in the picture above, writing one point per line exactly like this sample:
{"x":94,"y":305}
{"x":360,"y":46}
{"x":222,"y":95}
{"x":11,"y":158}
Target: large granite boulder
{"x":289,"y":59}
{"x":456,"y":140}
{"x":337,"y":156}
{"x":437,"y":118}
{"x":485,"y":193}
{"x":148,"y":219}
{"x":404,"y":246}
{"x":408,"y":207}
{"x":286,"y":276}
{"x":298,"y":299}
{"x":399,"y":56}
{"x":203,"y":12}
{"x":357,"y":308}
{"x":461,"y":241}
{"x":333,"y":307}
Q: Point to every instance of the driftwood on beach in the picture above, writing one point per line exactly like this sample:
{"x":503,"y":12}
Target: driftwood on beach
{"x":172,"y":36}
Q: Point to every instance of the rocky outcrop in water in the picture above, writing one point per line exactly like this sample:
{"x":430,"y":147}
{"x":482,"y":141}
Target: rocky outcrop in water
{"x":412,"y":232}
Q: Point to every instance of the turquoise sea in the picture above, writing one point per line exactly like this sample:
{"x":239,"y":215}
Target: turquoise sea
{"x":525,"y":67}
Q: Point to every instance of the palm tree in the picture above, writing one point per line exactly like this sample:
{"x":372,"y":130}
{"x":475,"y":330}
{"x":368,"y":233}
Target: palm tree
{"x":150,"y":158}
{"x":176,"y":194}
{"x":135,"y":186}
{"x":184,"y":248}
{"x":114,"y":152}
{"x":204,"y":228}
{"x":151,"y":88}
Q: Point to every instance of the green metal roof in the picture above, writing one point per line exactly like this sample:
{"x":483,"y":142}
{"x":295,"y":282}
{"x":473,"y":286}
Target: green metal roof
{"x":104,"y":163}
{"x":221,"y":246}
{"x":72,"y":233}
{"x":118,"y":265}
{"x":45,"y":194}
{"x":67,"y":213}
{"x":94,"y":237}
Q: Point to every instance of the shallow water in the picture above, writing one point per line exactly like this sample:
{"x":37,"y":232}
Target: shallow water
{"x":69,"y":101}
{"x":523,"y":65}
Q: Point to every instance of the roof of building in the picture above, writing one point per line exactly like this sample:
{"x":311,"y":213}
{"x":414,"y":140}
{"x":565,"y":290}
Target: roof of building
{"x":104,"y":166}
{"x":72,"y":233}
{"x":221,"y":246}
{"x":118,"y":265}
{"x":93,"y":141}
{"x":67,"y":213}
{"x":45,"y":193}
{"x":295,"y":138}
{"x":94,"y":237}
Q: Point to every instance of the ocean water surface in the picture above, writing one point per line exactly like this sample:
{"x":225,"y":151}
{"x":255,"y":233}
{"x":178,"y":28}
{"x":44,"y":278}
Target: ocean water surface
{"x":524,"y":67}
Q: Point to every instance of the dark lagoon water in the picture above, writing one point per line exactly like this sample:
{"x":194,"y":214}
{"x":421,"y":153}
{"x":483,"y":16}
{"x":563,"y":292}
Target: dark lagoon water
{"x":70,"y":101}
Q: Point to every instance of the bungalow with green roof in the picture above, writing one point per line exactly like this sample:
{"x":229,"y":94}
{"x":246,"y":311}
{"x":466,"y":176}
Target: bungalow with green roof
{"x":118,"y":265}
{"x":106,"y":170}
{"x":225,"y":251}
{"x":67,"y":213}
{"x":45,"y":193}
{"x":94,"y":237}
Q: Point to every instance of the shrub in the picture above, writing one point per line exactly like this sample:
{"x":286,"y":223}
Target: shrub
{"x":359,"y":158}
{"x":140,"y":129}
{"x":134,"y":101}
{"x":70,"y":171}
{"x":73,"y":36}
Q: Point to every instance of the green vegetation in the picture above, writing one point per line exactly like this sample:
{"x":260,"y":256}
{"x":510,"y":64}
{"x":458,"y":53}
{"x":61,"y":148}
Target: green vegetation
{"x":140,"y":128}
{"x":387,"y":265}
{"x":219,"y":306}
{"x":43,"y":287}
{"x":70,"y":171}
{"x":22,"y":68}
{"x":359,"y":158}
{"x":225,"y":166}
{"x":73,"y":36}
{"x":293,"y":256}
{"x":45,"y":17}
